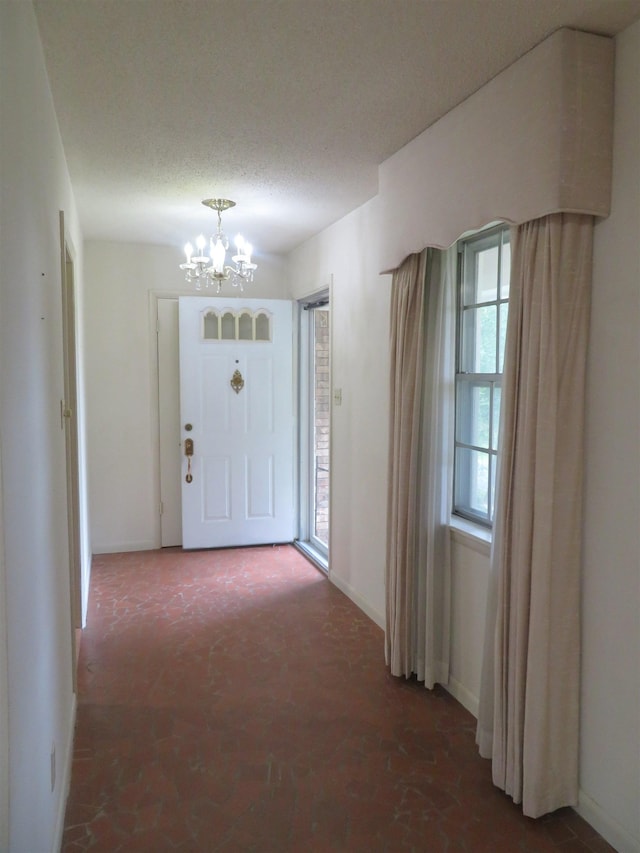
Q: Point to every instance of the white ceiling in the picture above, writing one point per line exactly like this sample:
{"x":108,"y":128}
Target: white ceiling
{"x":285,"y":106}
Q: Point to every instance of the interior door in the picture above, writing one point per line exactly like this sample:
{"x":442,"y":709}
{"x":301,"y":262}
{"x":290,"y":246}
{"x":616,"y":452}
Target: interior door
{"x":236,"y":409}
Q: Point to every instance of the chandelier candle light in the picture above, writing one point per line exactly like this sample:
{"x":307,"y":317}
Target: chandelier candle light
{"x":211,"y":271}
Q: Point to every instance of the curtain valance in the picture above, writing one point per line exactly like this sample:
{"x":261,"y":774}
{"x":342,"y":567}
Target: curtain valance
{"x":535,"y":140}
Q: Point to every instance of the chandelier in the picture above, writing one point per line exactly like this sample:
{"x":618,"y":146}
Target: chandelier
{"x":211,"y":270}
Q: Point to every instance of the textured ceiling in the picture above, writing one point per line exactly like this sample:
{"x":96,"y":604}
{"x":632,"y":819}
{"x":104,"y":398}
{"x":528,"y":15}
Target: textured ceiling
{"x":285,"y":106}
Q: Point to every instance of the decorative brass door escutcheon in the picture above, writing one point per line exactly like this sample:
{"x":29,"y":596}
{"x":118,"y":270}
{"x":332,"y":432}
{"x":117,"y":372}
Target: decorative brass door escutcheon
{"x":237,"y":382}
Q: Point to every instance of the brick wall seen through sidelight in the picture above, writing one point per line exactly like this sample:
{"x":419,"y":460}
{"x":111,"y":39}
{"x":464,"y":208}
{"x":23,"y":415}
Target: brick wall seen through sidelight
{"x":321,"y":423}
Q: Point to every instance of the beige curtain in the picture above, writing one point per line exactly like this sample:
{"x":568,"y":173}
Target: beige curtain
{"x":417,"y":566}
{"x":529,"y":710}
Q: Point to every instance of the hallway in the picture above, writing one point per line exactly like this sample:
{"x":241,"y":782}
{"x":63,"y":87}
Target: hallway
{"x":236,"y":700}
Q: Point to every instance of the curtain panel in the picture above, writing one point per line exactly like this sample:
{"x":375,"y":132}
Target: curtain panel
{"x":420,"y":465}
{"x":529,"y":705}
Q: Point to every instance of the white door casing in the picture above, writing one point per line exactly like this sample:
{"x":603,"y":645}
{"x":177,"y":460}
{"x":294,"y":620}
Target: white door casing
{"x":241,"y":490}
{"x":69,"y":423}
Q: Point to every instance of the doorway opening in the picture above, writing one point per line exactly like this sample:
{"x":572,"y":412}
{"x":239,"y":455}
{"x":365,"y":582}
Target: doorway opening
{"x":314,"y":420}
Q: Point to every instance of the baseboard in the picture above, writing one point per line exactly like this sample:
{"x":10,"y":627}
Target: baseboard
{"x":122,"y":547}
{"x":608,"y":827}
{"x":357,"y":599}
{"x":64,"y":785}
{"x":463,"y":696}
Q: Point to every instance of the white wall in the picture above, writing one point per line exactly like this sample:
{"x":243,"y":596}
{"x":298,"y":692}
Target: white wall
{"x":359,"y":426}
{"x":469,"y":586}
{"x":360,"y":300}
{"x":610,"y":741}
{"x":37,"y":633}
{"x":610,"y":756}
{"x":121,"y":381}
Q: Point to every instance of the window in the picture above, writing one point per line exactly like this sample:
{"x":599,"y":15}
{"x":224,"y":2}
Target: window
{"x":483,"y":304}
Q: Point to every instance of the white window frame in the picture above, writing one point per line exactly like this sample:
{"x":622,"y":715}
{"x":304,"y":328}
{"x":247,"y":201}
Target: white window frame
{"x":475,"y":387}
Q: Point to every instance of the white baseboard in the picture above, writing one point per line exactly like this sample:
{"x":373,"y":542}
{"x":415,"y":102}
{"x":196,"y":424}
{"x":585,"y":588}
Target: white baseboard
{"x":64,"y":784}
{"x":608,"y":827}
{"x":121,"y":547}
{"x":587,"y":808}
{"x":357,"y":599}
{"x":463,"y":696}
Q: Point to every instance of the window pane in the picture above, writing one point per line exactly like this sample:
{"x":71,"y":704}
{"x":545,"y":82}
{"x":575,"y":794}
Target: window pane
{"x":211,"y":326}
{"x":497,"y":393}
{"x":487,"y":274}
{"x":228,"y":327}
{"x":473,"y":406}
{"x":321,"y":407}
{"x":505,"y":267}
{"x":481,"y":271}
{"x":472,"y":481}
{"x":245,"y":327}
{"x":493,"y":463}
{"x":504,"y":314}
{"x":479,"y":340}
{"x":262,"y":328}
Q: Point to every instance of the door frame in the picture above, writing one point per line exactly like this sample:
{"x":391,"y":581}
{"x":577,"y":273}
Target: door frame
{"x":152,"y":307}
{"x":169,"y":432}
{"x":69,"y":423}
{"x":4,"y":689}
{"x":154,"y":296}
{"x":309,"y":544}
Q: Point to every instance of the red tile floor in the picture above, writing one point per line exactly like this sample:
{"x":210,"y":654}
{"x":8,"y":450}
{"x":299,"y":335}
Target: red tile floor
{"x":236,"y":700}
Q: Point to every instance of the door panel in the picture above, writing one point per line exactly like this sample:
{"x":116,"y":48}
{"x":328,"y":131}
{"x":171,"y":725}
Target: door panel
{"x":216,"y":484}
{"x":241,"y":491}
{"x":259,"y":486}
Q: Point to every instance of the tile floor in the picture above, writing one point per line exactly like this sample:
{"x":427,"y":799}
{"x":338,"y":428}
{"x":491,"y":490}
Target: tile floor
{"x":235,"y":700}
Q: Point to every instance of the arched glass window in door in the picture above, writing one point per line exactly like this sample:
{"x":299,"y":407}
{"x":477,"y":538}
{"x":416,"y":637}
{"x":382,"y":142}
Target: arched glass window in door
{"x":244,"y":325}
{"x":263,"y":326}
{"x":211,"y":326}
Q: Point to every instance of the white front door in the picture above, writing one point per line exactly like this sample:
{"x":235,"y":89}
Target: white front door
{"x":236,"y":409}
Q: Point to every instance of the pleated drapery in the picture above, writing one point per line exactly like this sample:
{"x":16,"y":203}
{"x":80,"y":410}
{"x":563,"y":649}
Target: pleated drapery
{"x":420,"y":464}
{"x":528,"y":719}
